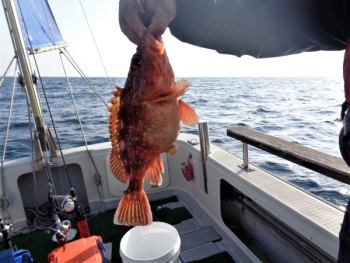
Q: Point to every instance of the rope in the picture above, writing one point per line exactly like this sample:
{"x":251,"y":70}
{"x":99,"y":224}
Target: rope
{"x":3,"y":77}
{"x":95,"y":44}
{"x":74,"y":64}
{"x":97,"y":178}
{"x":43,"y":219}
{"x":6,"y":138}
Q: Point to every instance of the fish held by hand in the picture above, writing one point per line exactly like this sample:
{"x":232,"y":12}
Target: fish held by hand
{"x":145,"y":120}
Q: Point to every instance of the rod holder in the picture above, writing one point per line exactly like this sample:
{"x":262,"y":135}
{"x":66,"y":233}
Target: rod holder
{"x":203,"y":130}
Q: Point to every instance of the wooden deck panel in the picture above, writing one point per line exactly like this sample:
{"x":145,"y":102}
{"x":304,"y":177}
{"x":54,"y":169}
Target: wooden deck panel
{"x":326,"y":164}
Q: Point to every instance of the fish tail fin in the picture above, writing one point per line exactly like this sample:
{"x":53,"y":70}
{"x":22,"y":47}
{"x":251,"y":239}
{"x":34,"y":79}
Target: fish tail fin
{"x":153,"y":174}
{"x":133,"y":209}
{"x":188,"y":114}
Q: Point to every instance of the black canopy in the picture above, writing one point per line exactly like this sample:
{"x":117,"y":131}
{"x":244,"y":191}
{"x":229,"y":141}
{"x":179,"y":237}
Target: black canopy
{"x":263,"y":28}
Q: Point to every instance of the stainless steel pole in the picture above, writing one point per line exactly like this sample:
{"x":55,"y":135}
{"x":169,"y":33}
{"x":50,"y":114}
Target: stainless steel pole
{"x":245,"y":156}
{"x":203,"y":130}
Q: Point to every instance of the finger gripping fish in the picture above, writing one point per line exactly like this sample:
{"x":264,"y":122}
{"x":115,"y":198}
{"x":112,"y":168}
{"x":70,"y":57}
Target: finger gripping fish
{"x":145,"y":120}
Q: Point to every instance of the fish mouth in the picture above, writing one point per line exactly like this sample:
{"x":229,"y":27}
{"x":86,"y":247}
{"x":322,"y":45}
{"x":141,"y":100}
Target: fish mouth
{"x":154,"y":42}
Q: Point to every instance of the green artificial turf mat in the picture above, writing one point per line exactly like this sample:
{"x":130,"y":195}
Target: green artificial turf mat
{"x":40,"y":244}
{"x":37,"y":242}
{"x":222,"y":257}
{"x":102,"y":225}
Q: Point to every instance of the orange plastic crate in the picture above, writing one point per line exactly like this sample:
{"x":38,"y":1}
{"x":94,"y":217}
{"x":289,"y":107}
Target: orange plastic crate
{"x":82,"y":250}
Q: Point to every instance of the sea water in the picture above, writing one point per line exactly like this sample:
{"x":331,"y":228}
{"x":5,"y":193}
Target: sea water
{"x":301,"y":110}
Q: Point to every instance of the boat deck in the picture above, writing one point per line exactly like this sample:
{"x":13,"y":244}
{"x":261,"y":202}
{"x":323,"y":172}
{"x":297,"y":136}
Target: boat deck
{"x":198,"y":239}
{"x":311,"y":217}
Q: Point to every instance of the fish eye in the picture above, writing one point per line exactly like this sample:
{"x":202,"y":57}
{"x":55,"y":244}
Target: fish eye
{"x":136,"y":61}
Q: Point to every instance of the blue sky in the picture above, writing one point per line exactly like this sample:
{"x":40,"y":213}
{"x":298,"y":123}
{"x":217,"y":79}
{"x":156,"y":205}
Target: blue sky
{"x":187,"y":60}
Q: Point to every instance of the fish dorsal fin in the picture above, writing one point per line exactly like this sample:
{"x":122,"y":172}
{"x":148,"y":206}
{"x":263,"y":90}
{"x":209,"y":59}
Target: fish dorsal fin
{"x":153,"y":174}
{"x":187,"y":113}
{"x":114,"y":161}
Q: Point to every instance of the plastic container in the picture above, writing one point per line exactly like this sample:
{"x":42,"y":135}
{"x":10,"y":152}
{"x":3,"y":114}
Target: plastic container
{"x":18,"y":256}
{"x":22,"y":255}
{"x":83,"y":228}
{"x":158,"y":242}
{"x":7,"y":256}
{"x":89,"y":249}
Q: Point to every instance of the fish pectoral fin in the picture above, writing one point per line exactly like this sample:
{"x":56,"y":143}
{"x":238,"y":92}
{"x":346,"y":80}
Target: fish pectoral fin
{"x":187,"y":113}
{"x":153,"y":173}
{"x":117,"y":167}
{"x":180,"y":87}
{"x":172,"y":149}
{"x":133,"y":209}
{"x":177,"y":90}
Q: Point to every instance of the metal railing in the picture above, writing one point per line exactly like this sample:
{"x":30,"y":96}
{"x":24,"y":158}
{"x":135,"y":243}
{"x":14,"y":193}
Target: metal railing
{"x":323,"y":163}
{"x":203,"y":130}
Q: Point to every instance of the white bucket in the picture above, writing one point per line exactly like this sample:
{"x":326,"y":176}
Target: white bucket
{"x":158,"y":242}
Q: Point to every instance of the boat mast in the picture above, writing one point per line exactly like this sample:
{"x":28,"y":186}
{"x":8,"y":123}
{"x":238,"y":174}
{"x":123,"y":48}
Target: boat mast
{"x":21,"y":52}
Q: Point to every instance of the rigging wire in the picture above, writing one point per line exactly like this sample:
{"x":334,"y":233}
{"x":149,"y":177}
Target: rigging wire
{"x":30,"y":112}
{"x":97,"y":176}
{"x":46,"y":165}
{"x":95,"y":44}
{"x":9,"y":26}
{"x":3,"y":200}
{"x":48,"y":106}
{"x":81,"y":73}
{"x":54,"y":126}
{"x":45,"y":157}
{"x":38,"y":102}
{"x":3,"y":77}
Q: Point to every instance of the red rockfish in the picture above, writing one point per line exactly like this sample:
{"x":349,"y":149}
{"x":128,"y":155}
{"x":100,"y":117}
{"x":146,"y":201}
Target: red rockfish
{"x":145,"y":120}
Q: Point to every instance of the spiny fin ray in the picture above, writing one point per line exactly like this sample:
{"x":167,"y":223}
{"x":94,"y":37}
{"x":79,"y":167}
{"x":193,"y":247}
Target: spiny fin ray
{"x":153,"y":173}
{"x":187,"y":113}
{"x":115,"y":163}
{"x":178,"y":89}
{"x":133,"y":210}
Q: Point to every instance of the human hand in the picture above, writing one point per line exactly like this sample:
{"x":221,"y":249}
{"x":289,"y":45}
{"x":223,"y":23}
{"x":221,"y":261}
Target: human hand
{"x":159,"y":12}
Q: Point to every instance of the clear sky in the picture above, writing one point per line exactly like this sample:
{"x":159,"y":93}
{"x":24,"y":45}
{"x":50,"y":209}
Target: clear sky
{"x":187,"y":60}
